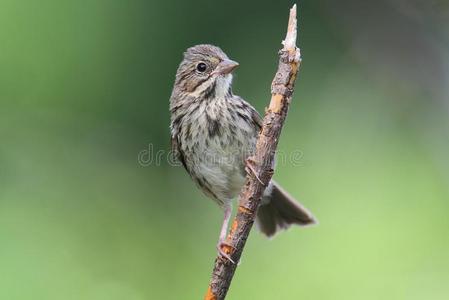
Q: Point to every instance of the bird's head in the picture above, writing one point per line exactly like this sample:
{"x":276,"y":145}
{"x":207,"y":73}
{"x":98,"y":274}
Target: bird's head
{"x":206,"y":71}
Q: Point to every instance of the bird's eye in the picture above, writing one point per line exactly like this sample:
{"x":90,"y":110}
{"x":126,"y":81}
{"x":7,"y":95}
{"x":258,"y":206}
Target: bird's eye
{"x":201,"y":67}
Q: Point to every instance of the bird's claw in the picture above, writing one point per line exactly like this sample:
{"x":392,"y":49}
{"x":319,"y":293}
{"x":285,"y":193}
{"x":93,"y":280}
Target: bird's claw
{"x":250,"y":169}
{"x":222,"y":253}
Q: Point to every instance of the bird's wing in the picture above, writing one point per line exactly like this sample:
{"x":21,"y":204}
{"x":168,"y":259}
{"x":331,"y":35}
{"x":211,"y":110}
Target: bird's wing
{"x":257,"y":118}
{"x":177,"y":152}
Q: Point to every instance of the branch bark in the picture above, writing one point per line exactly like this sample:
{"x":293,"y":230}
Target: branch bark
{"x":251,"y":193}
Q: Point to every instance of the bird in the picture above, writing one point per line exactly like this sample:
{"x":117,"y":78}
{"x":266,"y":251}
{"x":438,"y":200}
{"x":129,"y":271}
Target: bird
{"x":214,"y":133}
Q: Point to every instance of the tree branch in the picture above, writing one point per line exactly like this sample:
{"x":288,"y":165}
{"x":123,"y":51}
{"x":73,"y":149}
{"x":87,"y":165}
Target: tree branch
{"x":262,"y":170}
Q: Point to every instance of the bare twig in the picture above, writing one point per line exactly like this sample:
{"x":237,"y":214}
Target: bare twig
{"x":262,"y":162}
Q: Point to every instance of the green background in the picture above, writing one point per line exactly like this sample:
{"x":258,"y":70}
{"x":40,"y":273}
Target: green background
{"x":84,"y":88}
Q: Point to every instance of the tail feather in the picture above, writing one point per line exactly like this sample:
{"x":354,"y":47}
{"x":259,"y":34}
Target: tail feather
{"x":279,"y":210}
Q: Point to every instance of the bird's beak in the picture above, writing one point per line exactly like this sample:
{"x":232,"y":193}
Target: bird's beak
{"x":225,"y":67}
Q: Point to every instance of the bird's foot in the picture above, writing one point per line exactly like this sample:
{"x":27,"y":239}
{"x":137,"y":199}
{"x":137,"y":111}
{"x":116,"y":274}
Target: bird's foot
{"x":221,"y":246}
{"x":250,"y":169}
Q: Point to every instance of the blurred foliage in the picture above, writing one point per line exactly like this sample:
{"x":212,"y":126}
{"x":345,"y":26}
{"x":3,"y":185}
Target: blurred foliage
{"x":84,"y":87}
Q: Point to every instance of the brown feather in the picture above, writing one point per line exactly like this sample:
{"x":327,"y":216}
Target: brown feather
{"x":280,"y":211}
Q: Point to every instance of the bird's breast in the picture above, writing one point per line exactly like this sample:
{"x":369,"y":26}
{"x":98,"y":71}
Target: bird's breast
{"x":216,"y":138}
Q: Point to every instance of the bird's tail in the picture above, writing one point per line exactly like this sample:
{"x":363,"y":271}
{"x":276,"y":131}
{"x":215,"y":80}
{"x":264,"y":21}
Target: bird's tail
{"x":278,"y":210}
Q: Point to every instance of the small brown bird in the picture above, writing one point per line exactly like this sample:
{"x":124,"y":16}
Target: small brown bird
{"x":214,"y":131}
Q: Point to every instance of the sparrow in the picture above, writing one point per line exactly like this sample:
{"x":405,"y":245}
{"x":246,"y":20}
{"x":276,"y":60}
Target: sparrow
{"x":214,"y":132}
